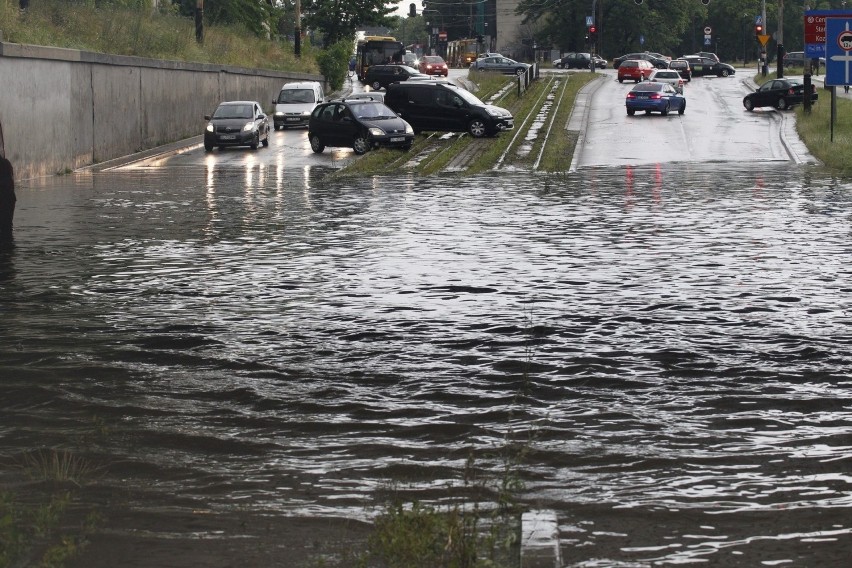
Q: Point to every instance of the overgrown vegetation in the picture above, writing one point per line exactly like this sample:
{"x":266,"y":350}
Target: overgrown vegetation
{"x":815,"y":127}
{"x":116,"y":29}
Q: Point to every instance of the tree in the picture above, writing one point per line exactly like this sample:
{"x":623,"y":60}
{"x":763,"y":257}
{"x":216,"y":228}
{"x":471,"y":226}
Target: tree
{"x":257,"y":16}
{"x":338,"y":20}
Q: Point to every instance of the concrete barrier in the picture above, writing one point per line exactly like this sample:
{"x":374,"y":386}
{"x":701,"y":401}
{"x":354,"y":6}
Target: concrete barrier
{"x":63,"y":109}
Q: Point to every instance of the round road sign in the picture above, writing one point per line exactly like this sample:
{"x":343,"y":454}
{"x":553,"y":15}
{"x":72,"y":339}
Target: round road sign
{"x":707,"y":31}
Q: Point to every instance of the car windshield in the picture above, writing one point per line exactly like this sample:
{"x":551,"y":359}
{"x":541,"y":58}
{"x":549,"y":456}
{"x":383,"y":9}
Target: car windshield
{"x":233,"y":111}
{"x":372,"y":111}
{"x":296,"y":96}
{"x":466,"y":95}
{"x":666,"y":75}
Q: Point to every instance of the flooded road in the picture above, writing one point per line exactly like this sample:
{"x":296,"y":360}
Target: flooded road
{"x":244,"y":348}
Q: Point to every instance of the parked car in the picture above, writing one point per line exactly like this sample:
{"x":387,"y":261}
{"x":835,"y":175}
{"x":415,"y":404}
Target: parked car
{"x":579,"y":60}
{"x":446,"y":107}
{"x":682,"y":67}
{"x":708,"y":55}
{"x":779,"y":93}
{"x":797,"y":59}
{"x":656,"y":97}
{"x":634,"y":70}
{"x":658,"y":62}
{"x":501,"y":64}
{"x":236,"y":123}
{"x":703,"y":66}
{"x":295,"y":102}
{"x":434,"y":65}
{"x":670,"y":76}
{"x":359,"y":124}
{"x":380,"y":76}
{"x":377,"y":96}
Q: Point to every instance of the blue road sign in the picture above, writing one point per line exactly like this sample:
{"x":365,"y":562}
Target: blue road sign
{"x":838,"y":51}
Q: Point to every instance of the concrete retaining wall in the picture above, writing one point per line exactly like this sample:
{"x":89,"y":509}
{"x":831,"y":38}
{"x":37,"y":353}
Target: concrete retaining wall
{"x":63,"y":109}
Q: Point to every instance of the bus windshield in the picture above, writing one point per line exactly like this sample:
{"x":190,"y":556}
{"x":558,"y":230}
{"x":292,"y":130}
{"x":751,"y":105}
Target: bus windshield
{"x":375,"y":51}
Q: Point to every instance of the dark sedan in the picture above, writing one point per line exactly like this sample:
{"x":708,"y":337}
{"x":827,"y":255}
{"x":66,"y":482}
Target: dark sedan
{"x":237,"y":123}
{"x":499,"y":63}
{"x":778,"y":93}
{"x":359,"y":124}
{"x":657,"y":97}
{"x":658,"y":62}
{"x":704,"y":66}
{"x":579,"y":61}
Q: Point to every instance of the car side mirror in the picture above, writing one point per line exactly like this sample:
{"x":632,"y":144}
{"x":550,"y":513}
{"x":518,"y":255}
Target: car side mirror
{"x":261,"y":116}
{"x":206,"y":117}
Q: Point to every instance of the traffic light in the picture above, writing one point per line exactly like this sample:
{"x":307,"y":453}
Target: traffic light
{"x":593,"y":34}
{"x":758,"y":30}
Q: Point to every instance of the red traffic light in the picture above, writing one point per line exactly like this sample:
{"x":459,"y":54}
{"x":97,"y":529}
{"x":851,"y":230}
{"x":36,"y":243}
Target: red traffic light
{"x":758,"y":29}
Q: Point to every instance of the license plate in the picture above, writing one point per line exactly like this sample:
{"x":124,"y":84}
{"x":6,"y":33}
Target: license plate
{"x":228,"y":137}
{"x":292,"y":119}
{"x":398,"y":139}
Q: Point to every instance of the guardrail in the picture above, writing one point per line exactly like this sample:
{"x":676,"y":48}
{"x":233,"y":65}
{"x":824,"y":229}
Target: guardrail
{"x":527,"y":77}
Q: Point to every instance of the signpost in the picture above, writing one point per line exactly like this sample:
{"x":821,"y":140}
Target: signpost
{"x":838,"y":58}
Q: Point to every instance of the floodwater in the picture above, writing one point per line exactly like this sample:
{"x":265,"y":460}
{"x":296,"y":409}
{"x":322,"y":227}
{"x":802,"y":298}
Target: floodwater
{"x":670,"y":345}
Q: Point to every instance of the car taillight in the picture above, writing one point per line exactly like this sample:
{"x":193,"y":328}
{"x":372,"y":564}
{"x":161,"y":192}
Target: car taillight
{"x":791,"y":91}
{"x":656,"y":96}
{"x":631,"y":95}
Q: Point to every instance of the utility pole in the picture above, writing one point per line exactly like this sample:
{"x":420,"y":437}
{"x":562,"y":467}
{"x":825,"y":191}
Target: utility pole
{"x":779,"y":39}
{"x":199,"y":21}
{"x":297,"y":40}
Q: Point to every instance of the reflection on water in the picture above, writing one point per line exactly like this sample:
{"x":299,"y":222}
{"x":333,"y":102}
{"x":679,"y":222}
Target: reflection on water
{"x":674,"y":341}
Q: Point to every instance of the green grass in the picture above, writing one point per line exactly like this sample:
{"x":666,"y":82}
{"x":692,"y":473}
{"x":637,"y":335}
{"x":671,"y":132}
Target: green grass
{"x":815,"y":127}
{"x":433,"y":154}
{"x":123,"y":31}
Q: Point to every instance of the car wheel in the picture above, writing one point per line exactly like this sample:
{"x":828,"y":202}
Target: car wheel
{"x":360,"y":144}
{"x":406,"y":147}
{"x":748,"y":104}
{"x":725,"y":73}
{"x":560,"y":66}
{"x":682,"y":108}
{"x":316,"y":144}
{"x":476,"y":128}
{"x":376,"y":85}
{"x":255,"y":142}
{"x":208,"y":147}
{"x":620,"y":80}
{"x":266,"y":140}
{"x":781,"y":104}
{"x":637,"y":80}
{"x":519,"y":71}
{"x":665,"y":111}
{"x":630,"y":112}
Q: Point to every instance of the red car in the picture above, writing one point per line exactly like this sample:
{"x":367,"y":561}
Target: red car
{"x":634,"y":70}
{"x":434,"y":65}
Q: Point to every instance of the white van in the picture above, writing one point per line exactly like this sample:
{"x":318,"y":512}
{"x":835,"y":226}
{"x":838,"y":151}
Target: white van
{"x":295,"y":102}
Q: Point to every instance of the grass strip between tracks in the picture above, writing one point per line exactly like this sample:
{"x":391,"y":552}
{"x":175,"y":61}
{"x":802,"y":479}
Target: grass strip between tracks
{"x":434,"y":153}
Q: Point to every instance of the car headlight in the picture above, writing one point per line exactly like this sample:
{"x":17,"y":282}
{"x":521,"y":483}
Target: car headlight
{"x":492,"y":111}
{"x":279,"y":113}
{"x":408,"y":129}
{"x":248,"y":127}
{"x":209,"y":127}
{"x":306,"y":113}
{"x":376,"y":131}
